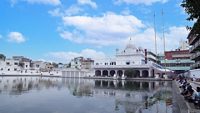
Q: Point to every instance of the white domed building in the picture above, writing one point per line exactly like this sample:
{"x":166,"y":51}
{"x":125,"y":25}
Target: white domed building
{"x":129,"y":60}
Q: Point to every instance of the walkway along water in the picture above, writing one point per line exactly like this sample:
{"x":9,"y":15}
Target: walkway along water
{"x":180,"y":104}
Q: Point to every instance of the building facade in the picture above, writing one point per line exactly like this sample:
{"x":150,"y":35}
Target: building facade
{"x":194,"y":42}
{"x":130,"y":62}
{"x":151,"y":57}
{"x":81,"y":63}
{"x":24,"y":63}
{"x":179,"y":61}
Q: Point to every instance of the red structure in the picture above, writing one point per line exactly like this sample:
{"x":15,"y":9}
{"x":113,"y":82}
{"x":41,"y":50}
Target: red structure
{"x":178,"y":54}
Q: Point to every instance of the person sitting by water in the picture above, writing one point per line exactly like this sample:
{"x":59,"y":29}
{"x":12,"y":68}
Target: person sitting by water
{"x":183,"y":85}
{"x":186,"y":89}
{"x":196,"y":97}
{"x":181,"y":79}
{"x":189,"y":94}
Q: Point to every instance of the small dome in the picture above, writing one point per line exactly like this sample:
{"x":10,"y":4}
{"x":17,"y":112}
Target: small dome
{"x":130,"y":46}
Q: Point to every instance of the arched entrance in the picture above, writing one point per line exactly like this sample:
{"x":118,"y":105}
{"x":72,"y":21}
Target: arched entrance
{"x":112,"y":72}
{"x":130,"y":73}
{"x":105,"y":73}
{"x":119,"y":73}
{"x":98,"y":73}
{"x":137,"y":73}
{"x":153,"y":73}
{"x":145,"y":73}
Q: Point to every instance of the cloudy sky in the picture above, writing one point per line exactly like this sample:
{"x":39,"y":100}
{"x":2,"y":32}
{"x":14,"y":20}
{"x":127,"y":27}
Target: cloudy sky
{"x":58,"y":30}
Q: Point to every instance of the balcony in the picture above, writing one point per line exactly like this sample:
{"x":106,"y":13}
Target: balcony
{"x":195,"y":46}
{"x":195,"y":55}
{"x":192,"y":39}
{"x":195,"y":65}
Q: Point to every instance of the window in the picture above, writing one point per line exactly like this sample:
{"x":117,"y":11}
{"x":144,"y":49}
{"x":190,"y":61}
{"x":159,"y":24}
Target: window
{"x":26,"y":65}
{"x":37,"y":65}
{"x":1,"y":69}
{"x":8,"y":69}
{"x":15,"y":63}
{"x":7,"y":63}
{"x":15,"y":69}
{"x":127,"y":63}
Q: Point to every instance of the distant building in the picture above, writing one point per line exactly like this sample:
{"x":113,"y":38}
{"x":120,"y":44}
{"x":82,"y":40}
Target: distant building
{"x":130,"y":62}
{"x":194,"y":42}
{"x":11,"y":65}
{"x":177,"y":54}
{"x":151,"y":56}
{"x":160,"y":57}
{"x":48,"y":66}
{"x":42,"y":66}
{"x":24,"y":62}
{"x":183,"y":45}
{"x":81,"y":63}
{"x":87,"y":63}
{"x":178,"y":61}
{"x":60,"y":65}
{"x":76,"y":63}
{"x":14,"y":64}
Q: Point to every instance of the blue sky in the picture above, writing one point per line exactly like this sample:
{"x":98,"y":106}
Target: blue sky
{"x":58,"y":30}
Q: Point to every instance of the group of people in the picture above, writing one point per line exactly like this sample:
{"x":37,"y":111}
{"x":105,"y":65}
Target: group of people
{"x":190,"y":94}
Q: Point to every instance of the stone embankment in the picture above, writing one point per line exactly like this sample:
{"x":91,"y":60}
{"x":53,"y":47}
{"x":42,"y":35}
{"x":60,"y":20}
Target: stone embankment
{"x":180,"y":104}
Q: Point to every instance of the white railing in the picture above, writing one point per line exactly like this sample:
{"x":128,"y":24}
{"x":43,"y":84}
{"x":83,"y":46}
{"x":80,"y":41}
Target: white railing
{"x":123,"y":66}
{"x":195,"y":55}
{"x":196,"y":44}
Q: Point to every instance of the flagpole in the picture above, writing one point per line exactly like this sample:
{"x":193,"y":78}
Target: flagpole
{"x":164,"y":38}
{"x":155,"y":33}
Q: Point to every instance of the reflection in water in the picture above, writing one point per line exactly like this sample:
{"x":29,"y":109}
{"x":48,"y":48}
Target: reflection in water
{"x":122,"y":96}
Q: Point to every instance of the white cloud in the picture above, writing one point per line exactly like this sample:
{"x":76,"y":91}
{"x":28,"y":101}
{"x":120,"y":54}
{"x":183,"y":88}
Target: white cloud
{"x":174,"y":35}
{"x":108,"y":29}
{"x":72,"y":10}
{"x":136,"y":2}
{"x":112,"y":29}
{"x":56,"y":12}
{"x":46,"y":2}
{"x":16,"y":37}
{"x":88,"y":2}
{"x":67,"y":56}
{"x":144,"y":39}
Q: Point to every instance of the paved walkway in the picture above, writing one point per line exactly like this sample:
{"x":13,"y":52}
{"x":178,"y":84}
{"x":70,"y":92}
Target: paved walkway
{"x":180,"y":104}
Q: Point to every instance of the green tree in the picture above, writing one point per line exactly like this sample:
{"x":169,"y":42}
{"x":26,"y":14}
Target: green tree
{"x":2,"y":57}
{"x":55,"y":65}
{"x":192,"y":8}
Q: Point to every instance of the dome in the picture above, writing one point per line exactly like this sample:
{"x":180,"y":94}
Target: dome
{"x":130,"y":46}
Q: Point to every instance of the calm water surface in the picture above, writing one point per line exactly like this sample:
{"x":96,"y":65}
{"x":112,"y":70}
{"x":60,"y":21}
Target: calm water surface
{"x":69,"y":95}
